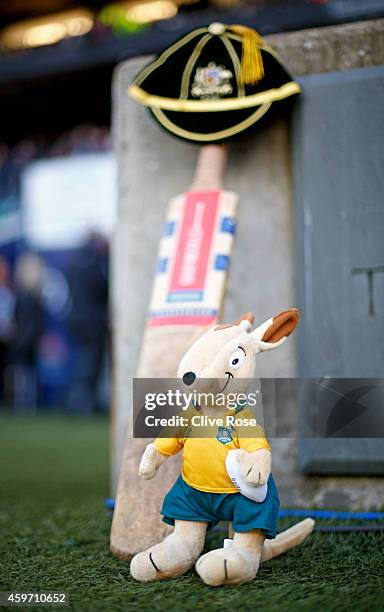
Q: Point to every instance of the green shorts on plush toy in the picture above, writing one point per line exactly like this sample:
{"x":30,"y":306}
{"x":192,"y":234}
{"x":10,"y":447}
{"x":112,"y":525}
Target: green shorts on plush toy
{"x":188,"y":504}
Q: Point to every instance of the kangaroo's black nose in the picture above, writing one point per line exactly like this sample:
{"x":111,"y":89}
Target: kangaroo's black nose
{"x":189,"y":378}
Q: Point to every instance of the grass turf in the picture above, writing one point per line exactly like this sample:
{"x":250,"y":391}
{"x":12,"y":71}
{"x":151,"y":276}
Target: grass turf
{"x":54,"y":536}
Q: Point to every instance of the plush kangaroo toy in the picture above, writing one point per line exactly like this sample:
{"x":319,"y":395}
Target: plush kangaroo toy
{"x":205,"y":494}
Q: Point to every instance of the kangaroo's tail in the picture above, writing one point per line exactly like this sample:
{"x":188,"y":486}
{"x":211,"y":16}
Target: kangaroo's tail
{"x":287,"y":539}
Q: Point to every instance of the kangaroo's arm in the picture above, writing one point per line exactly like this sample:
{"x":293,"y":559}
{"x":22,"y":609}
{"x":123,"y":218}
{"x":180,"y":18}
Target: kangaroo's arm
{"x":157,"y":452}
{"x":150,"y":462}
{"x":255,"y":467}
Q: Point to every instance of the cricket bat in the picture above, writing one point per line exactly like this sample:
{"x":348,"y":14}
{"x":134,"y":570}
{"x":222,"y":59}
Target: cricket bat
{"x":187,"y":297}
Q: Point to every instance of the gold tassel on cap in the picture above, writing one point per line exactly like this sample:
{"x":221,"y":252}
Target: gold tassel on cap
{"x":251,"y":69}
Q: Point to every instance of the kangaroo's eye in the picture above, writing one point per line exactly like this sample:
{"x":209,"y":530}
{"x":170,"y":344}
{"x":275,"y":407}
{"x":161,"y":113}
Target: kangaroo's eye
{"x":236,"y":359}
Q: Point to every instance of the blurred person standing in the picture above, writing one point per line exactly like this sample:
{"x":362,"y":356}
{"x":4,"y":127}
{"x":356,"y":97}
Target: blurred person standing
{"x":7,"y":305}
{"x":88,"y":322}
{"x":28,"y":328}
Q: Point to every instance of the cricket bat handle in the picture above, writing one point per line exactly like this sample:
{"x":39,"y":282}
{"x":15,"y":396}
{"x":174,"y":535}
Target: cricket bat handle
{"x":210,"y":168}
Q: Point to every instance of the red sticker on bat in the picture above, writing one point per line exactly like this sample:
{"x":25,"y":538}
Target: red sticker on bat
{"x":194,"y":247}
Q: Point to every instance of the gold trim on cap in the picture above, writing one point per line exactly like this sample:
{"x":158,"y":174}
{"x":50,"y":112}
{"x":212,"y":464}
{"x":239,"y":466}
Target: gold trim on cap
{"x":236,"y":64}
{"x":210,"y":106}
{"x":222,"y":134}
{"x":185,"y":81}
{"x":164,"y":56}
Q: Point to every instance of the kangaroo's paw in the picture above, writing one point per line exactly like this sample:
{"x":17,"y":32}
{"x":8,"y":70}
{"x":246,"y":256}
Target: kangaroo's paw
{"x":169,"y":559}
{"x":232,"y":565}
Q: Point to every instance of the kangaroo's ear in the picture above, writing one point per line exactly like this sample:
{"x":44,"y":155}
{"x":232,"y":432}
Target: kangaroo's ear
{"x":275,"y":331}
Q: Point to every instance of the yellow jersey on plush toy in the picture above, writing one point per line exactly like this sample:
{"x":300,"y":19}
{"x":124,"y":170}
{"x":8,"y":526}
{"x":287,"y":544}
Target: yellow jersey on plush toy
{"x":204,"y":458}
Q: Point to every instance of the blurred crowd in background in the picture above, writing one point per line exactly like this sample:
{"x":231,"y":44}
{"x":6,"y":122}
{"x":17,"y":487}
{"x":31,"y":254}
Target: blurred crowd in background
{"x":53,"y":302}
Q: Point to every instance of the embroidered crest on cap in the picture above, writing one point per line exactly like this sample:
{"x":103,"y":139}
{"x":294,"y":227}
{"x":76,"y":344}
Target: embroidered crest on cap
{"x":212,"y":82}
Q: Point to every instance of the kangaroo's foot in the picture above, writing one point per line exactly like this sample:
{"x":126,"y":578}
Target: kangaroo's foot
{"x":227,"y":566}
{"x":172,"y":557}
{"x":233,"y":565}
{"x":169,"y":559}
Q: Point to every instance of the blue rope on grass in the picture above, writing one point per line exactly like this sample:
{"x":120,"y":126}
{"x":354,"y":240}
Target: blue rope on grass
{"x":332,"y":514}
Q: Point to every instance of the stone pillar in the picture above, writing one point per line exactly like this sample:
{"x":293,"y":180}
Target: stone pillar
{"x":153,"y":166}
